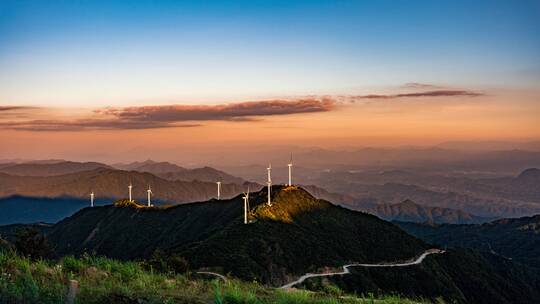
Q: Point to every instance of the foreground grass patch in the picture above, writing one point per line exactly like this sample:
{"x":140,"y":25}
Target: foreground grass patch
{"x":103,"y":280}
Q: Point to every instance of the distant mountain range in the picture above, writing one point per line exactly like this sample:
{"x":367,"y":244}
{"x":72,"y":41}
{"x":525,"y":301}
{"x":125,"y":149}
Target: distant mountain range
{"x":164,"y":170}
{"x":518,"y":239}
{"x":408,"y":211}
{"x":511,"y":196}
{"x":112,"y":184}
{"x":174,"y":172}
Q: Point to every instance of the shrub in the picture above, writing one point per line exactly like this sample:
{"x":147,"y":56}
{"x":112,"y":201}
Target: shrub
{"x":31,"y":243}
{"x":178,"y":264}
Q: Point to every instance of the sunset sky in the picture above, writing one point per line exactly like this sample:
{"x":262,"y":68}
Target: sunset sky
{"x":124,"y":80}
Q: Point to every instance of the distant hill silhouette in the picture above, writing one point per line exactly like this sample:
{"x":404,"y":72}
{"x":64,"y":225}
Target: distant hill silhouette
{"x":150,"y":166}
{"x":174,"y":172}
{"x":49,"y":168}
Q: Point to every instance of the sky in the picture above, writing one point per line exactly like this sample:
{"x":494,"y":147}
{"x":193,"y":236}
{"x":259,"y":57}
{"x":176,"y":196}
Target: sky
{"x":80,"y":77}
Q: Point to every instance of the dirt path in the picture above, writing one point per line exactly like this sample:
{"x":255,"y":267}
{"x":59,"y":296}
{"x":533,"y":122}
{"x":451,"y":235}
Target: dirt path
{"x":346,"y":270}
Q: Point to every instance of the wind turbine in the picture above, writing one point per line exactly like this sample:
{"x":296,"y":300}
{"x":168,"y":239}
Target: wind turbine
{"x":290,"y":171}
{"x":92,"y":199}
{"x":246,"y":206}
{"x":269,"y":183}
{"x":130,"y":187}
{"x":218,"y":190}
{"x":149,"y":191}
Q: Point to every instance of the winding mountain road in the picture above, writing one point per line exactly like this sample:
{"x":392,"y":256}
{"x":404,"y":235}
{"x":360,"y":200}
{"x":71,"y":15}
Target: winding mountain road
{"x":346,"y":270}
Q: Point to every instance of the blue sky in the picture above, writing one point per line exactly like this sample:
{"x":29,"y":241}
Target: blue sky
{"x":96,"y":53}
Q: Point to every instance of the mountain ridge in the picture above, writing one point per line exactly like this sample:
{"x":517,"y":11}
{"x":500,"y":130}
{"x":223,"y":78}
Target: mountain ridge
{"x":212,"y":234}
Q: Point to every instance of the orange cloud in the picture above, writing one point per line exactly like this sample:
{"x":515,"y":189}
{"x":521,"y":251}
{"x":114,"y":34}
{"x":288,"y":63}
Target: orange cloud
{"x":172,"y":116}
{"x":151,"y":117}
{"x":234,"y":111}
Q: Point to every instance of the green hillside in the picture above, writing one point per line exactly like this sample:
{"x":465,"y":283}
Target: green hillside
{"x":517,"y":239}
{"x":298,"y":233}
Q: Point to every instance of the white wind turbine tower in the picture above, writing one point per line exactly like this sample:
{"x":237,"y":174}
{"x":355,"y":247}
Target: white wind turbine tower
{"x":290,"y":171}
{"x":149,"y":191}
{"x":269,"y":183}
{"x":92,"y":199}
{"x":130,"y":187}
{"x":218,"y":190}
{"x":246,"y":206}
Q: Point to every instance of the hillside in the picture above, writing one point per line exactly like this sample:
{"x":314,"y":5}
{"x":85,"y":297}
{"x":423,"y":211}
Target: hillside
{"x":409,"y":211}
{"x":49,"y":168}
{"x":458,"y":276}
{"x":297,"y":234}
{"x":518,"y":239}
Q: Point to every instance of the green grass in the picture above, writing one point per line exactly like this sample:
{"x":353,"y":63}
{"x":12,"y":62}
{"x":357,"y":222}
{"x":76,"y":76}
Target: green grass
{"x":103,"y":280}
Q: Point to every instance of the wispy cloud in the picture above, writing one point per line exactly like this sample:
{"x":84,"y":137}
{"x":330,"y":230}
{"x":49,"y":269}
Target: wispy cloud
{"x":86,"y":124}
{"x":436,"y":93}
{"x":13,"y":108}
{"x":421,"y":86}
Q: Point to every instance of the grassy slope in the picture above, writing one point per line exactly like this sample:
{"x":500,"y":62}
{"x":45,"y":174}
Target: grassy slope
{"x":102,"y":280}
